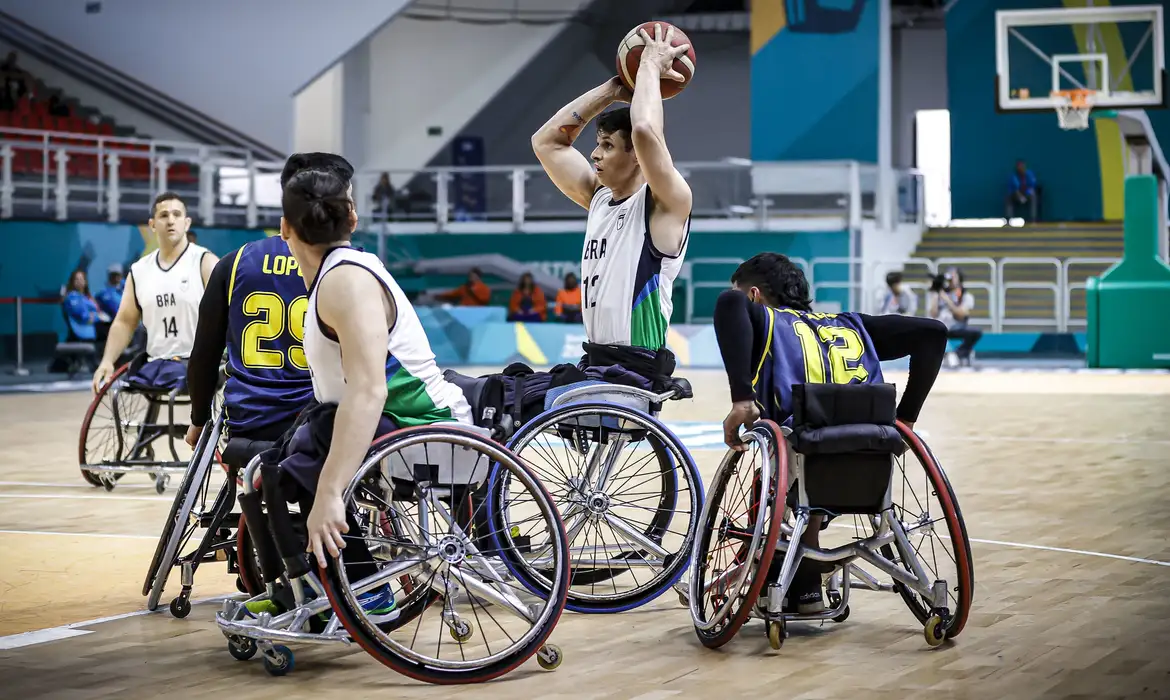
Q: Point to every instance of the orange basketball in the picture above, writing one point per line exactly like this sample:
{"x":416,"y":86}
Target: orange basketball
{"x":629,"y":57}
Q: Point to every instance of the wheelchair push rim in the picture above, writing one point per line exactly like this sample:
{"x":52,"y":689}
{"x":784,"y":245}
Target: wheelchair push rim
{"x":460,"y":555}
{"x":722,"y":602}
{"x":675,"y":468}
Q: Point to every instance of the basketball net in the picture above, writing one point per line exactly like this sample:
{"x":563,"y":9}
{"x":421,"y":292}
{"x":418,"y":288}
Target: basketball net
{"x":1073,"y":111}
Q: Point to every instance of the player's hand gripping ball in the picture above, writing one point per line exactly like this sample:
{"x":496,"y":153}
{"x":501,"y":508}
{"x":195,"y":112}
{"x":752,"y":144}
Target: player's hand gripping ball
{"x":663,"y":44}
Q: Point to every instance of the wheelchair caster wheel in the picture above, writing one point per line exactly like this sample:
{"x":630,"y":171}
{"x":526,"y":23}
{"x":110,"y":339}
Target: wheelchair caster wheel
{"x":776,"y":634}
{"x":240,"y":585}
{"x":278,"y":661}
{"x":461,"y":631}
{"x":160,"y":483}
{"x":180,"y":607}
{"x":843,"y":616}
{"x":549,"y":657}
{"x":935,"y":631}
{"x":241,"y":648}
{"x":108,"y":484}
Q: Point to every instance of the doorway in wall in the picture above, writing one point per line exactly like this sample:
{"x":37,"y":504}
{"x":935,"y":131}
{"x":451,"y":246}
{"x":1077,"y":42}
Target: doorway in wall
{"x":932,"y":157}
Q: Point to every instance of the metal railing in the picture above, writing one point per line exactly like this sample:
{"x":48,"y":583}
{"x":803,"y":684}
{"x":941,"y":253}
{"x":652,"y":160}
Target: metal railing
{"x":992,"y":289}
{"x":230,"y":186}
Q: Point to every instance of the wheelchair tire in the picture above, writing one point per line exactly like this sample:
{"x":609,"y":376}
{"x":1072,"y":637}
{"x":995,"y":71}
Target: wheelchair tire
{"x":89,"y":456}
{"x":246,"y":563}
{"x":368,"y":634}
{"x":764,"y":516}
{"x":957,"y":533}
{"x":672,"y":457}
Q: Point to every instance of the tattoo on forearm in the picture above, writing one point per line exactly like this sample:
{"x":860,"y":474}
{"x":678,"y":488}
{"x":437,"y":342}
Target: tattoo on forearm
{"x":579,"y":118}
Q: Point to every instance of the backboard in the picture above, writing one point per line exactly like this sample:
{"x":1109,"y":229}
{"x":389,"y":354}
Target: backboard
{"x":1119,"y":51}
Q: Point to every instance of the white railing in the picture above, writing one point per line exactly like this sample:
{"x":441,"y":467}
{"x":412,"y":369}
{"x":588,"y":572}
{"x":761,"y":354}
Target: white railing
{"x":229,"y":186}
{"x":991,"y":290}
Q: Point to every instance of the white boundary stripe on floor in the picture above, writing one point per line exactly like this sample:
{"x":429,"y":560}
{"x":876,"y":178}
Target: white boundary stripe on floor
{"x":94,"y":497}
{"x":1064,"y":550}
{"x":109,"y":535}
{"x":56,"y":634}
{"x":50,"y":484}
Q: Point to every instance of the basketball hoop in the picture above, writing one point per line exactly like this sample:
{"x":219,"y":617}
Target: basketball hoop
{"x":1073,"y":111}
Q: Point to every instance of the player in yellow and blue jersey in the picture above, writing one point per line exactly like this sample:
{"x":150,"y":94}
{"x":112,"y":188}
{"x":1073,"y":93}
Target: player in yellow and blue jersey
{"x":770,"y":339}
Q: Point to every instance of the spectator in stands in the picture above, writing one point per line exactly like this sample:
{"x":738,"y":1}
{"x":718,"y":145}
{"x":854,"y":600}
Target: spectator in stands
{"x":14,"y":80}
{"x":896,"y":298}
{"x":473,"y":292}
{"x":110,"y":298}
{"x":528,"y":303}
{"x":952,"y":304}
{"x":383,"y":196}
{"x":1022,"y":192}
{"x":81,"y":311}
{"x":568,"y":301}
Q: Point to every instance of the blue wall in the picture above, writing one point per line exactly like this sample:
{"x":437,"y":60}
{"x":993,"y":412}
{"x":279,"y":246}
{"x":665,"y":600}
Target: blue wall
{"x":815,"y":80}
{"x":36,"y":259}
{"x":1078,"y":184}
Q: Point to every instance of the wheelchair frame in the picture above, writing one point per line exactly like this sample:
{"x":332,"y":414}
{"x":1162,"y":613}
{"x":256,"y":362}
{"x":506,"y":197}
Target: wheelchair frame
{"x":129,"y":458}
{"x":182,"y":523}
{"x":247,"y":636}
{"x":939,"y":622}
{"x":623,"y":403}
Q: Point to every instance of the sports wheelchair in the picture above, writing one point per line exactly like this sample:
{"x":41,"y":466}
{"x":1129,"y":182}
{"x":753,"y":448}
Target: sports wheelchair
{"x":124,"y":424}
{"x":410,"y":506}
{"x":225,"y":536}
{"x":624,"y":484}
{"x":840,"y":459}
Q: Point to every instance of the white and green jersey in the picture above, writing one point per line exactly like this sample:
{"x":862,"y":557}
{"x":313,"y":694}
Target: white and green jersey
{"x":417,"y":394}
{"x":626,"y":283}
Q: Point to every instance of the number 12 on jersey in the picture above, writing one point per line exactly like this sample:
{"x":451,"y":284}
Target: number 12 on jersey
{"x":845,"y":349}
{"x":589,"y":298}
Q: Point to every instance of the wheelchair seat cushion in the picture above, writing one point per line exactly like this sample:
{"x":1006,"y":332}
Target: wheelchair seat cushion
{"x":240,"y":451}
{"x":847,"y":439}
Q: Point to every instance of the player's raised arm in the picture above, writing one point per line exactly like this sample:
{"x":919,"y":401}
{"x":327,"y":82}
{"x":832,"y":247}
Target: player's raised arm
{"x":672,"y":194}
{"x":567,"y":167}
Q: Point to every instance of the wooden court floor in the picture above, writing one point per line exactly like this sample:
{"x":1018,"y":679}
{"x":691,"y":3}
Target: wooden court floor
{"x":1063,"y":479}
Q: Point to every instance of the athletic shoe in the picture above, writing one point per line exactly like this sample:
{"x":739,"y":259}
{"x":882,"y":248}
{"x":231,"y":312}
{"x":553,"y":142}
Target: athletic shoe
{"x":379,"y":604}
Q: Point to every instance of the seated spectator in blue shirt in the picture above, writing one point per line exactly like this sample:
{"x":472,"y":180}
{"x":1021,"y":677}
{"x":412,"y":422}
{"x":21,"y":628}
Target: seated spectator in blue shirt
{"x":81,"y":311}
{"x":110,"y":298}
{"x":1022,"y":192}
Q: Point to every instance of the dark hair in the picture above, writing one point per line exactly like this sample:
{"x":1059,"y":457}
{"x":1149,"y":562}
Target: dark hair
{"x":315,"y":161}
{"x":316,"y":203}
{"x":166,"y":197}
{"x":526,"y":278}
{"x":780,"y":280}
{"x":893,"y":278}
{"x":617,"y":121}
{"x":84,"y":288}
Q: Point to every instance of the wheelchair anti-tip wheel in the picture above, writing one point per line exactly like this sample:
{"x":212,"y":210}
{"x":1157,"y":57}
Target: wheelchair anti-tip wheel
{"x":739,"y":528}
{"x":475,"y":623}
{"x":628,"y":493}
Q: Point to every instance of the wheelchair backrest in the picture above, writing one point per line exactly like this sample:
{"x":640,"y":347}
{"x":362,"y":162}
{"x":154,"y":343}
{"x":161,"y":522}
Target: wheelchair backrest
{"x":440,"y":464}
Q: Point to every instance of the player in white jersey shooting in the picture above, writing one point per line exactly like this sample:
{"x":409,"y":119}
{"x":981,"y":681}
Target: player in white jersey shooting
{"x":639,"y":204}
{"x":163,"y":291}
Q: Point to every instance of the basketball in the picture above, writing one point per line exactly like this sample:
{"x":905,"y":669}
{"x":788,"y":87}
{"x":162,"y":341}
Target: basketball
{"x":629,"y":57}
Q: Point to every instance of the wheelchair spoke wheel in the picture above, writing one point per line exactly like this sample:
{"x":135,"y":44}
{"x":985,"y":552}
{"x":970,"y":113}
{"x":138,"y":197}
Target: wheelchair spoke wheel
{"x":739,"y":529}
{"x":925,"y":504}
{"x":456,"y":616}
{"x":628,"y":493}
{"x":105,"y":436}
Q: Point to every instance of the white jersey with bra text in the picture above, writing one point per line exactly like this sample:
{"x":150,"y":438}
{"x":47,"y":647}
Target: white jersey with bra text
{"x":169,"y":300}
{"x":416,"y":392}
{"x":626,"y":283}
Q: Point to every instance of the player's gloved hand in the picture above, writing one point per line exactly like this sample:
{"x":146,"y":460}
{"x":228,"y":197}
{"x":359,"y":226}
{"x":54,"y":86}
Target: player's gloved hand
{"x":658,"y":51}
{"x":744,"y":413}
{"x":101,"y":374}
{"x":326,"y":526}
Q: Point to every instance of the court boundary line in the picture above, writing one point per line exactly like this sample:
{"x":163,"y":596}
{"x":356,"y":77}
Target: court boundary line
{"x":86,"y":497}
{"x":79,"y":534}
{"x":48,"y":635}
